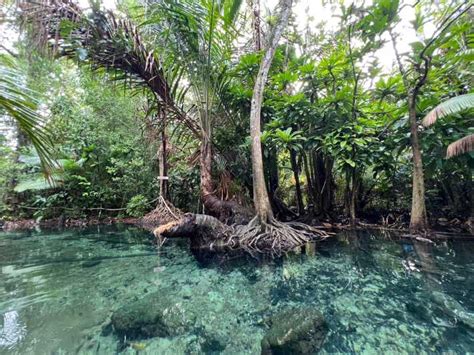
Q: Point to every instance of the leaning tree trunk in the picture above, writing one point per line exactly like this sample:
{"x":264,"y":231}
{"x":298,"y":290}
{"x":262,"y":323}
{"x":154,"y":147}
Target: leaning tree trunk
{"x":418,"y":220}
{"x":260,"y":194}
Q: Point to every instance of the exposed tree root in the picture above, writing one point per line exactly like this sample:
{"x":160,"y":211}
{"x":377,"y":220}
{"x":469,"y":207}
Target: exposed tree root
{"x":164,"y":213}
{"x":274,"y":235}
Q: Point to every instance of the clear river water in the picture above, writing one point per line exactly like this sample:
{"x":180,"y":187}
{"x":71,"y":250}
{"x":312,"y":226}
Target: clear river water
{"x":378,"y":294}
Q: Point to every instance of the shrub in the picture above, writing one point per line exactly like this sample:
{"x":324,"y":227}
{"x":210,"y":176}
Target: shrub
{"x":137,"y":206}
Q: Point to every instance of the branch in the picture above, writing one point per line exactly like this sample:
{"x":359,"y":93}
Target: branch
{"x":14,"y":55}
{"x":447,"y":22}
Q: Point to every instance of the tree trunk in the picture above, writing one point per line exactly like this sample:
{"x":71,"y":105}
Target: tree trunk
{"x":257,"y":37}
{"x":323,"y":184}
{"x":260,"y":194}
{"x":271,"y":163}
{"x":209,"y":199}
{"x":294,"y":167}
{"x":347,"y":194}
{"x":418,"y":220}
{"x":309,"y":181}
{"x":163,"y":160}
{"x":355,"y":181}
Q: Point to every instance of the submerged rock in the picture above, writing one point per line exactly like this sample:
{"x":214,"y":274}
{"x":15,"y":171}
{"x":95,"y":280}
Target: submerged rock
{"x":154,"y":315}
{"x":90,"y":263}
{"x":295,"y":331}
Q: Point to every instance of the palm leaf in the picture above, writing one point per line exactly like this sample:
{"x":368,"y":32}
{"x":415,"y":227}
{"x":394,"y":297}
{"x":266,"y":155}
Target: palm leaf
{"x":36,"y":183}
{"x":19,"y":103}
{"x":231,"y":10}
{"x":449,"y":107}
{"x":106,"y":42}
{"x":461,"y":146}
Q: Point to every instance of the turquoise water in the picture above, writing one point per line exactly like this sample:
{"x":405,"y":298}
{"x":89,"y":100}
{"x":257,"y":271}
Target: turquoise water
{"x":59,"y":290}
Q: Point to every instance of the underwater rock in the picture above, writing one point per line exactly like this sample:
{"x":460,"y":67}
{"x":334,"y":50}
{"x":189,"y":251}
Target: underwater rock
{"x":295,"y":331}
{"x":154,"y":315}
{"x":90,"y":263}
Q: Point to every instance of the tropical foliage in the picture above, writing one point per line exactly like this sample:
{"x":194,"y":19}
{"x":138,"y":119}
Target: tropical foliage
{"x":160,"y":93}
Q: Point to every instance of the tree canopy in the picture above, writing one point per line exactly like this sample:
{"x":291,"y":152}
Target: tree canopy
{"x":157,"y":98}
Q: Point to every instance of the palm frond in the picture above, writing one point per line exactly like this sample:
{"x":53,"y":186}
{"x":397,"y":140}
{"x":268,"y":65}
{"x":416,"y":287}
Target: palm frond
{"x":461,"y":146}
{"x":231,"y":10}
{"x":449,"y":107}
{"x":20,"y":103}
{"x":106,"y":42}
{"x":36,"y":183}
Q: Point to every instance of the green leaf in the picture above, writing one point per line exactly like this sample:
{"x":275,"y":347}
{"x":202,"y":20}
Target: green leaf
{"x":38,"y":183}
{"x":350,"y":162}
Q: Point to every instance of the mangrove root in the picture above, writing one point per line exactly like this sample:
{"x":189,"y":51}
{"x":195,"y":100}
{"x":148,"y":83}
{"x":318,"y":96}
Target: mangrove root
{"x":272,"y":235}
{"x":164,"y":213}
{"x":275,"y":235}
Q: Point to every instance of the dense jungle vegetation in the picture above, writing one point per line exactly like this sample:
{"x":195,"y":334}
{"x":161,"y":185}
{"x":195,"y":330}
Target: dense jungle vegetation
{"x":239,"y":109}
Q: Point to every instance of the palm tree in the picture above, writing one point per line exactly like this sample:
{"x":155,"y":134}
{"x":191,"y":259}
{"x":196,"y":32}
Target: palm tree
{"x":179,"y":39}
{"x":198,"y":36}
{"x":449,"y":107}
{"x":105,"y":41}
{"x":19,"y":102}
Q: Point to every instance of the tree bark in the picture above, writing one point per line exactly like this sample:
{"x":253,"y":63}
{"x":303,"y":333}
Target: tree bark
{"x":294,"y":167}
{"x":260,"y":194}
{"x":256,"y":24}
{"x":163,"y":161}
{"x":418,"y":220}
{"x":209,"y":199}
{"x":355,"y":182}
{"x":309,"y":181}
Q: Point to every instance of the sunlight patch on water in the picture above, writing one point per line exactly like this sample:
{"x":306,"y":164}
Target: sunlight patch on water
{"x":11,"y":331}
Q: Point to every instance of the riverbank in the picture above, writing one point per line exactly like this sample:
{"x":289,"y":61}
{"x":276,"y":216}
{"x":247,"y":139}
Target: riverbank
{"x":27,"y":224}
{"x":443,"y":230}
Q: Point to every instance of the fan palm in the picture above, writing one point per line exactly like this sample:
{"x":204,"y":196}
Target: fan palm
{"x":18,"y":102}
{"x":449,"y":107}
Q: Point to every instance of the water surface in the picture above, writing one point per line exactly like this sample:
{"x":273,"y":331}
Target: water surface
{"x":59,"y":289}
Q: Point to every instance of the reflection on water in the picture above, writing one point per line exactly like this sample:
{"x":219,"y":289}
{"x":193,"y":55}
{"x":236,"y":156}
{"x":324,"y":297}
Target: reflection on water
{"x":60,"y":290}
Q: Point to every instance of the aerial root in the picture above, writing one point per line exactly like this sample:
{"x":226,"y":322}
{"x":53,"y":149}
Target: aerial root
{"x":164,"y":213}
